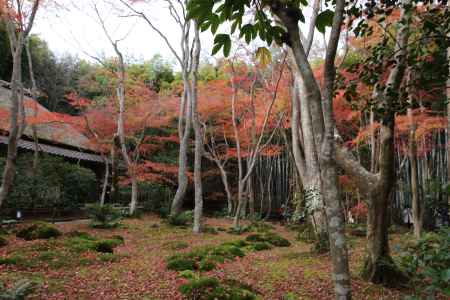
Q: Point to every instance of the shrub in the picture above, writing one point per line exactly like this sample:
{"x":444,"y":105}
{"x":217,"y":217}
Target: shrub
{"x":177,"y":245}
{"x":38,"y":231}
{"x":107,"y":246}
{"x":104,"y":216}
{"x":255,"y":238}
{"x":120,"y":240}
{"x":182,"y":219}
{"x":108,"y":257}
{"x":203,"y":259}
{"x":200,"y":288}
{"x":322,"y":244}
{"x":210,"y":230}
{"x":277,"y":240}
{"x":259,"y":246}
{"x":237,"y":243}
{"x":208,"y":288}
{"x":306,"y":233}
{"x":260,"y":226}
{"x":228,"y":251}
{"x":19,"y":291}
{"x":181,"y":263}
{"x":428,"y":262}
{"x":206,"y":264}
{"x":80,"y":234}
{"x":269,"y":237}
{"x":3,"y":241}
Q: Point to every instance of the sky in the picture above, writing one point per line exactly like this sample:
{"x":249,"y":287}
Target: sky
{"x":75,"y":29}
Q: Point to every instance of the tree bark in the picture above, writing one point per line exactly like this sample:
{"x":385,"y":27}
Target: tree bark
{"x":17,"y":37}
{"x":198,"y":188}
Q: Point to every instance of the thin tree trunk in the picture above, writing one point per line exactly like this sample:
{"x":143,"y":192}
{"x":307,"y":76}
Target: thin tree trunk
{"x":417,"y":209}
{"x":105,"y":181}
{"x":198,"y":208}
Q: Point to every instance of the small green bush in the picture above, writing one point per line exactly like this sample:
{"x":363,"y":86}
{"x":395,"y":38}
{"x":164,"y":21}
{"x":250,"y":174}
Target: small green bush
{"x":277,"y":240}
{"x":259,"y":246}
{"x":208,"y":288}
{"x":120,"y":240}
{"x":210,"y":230}
{"x":80,"y":234}
{"x":182,"y":219}
{"x":200,"y":288}
{"x":107,"y":246}
{"x":38,"y":231}
{"x":306,"y":233}
{"x":206,"y":264}
{"x":19,"y":291}
{"x":13,"y":260}
{"x":177,"y":245}
{"x":256,"y":237}
{"x":260,"y":226}
{"x":3,"y":241}
{"x":427,"y":262}
{"x":104,"y":216}
{"x":269,"y":237}
{"x":322,"y":244}
{"x":237,"y":243}
{"x":228,"y":251}
{"x":181,"y":263}
{"x":108,"y":257}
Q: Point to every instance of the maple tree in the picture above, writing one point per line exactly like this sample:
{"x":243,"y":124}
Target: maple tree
{"x":19,"y":18}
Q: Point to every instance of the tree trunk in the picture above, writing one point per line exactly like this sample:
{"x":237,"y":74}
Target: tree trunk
{"x":105,"y":181}
{"x":134,"y":195}
{"x":14,"y":126}
{"x":177,"y":202}
{"x":198,"y":189}
{"x":417,"y":209}
{"x":224,"y":177}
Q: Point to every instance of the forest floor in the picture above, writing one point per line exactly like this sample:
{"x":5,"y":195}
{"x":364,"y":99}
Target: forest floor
{"x":137,"y":269}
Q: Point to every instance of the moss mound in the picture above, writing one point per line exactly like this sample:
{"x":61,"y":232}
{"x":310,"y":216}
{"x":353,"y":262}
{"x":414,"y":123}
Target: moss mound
{"x":3,"y":241}
{"x":269,"y":237}
{"x":38,"y":231}
{"x":208,"y":288}
{"x":259,"y":246}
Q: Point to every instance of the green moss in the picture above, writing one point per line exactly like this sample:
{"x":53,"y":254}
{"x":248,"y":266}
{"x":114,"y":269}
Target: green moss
{"x":259,"y":246}
{"x":206,"y":264}
{"x":176,"y":245}
{"x":106,"y":246}
{"x":277,"y":240}
{"x":80,"y":234}
{"x":208,"y":288}
{"x":181,"y":263}
{"x":255,"y":238}
{"x":108,"y":257}
{"x":3,"y":241}
{"x":39,"y":230}
{"x":269,"y":237}
{"x":13,"y":260}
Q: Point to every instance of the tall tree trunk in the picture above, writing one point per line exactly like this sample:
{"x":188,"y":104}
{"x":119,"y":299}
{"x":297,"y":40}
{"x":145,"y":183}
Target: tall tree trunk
{"x":134,"y":195}
{"x":105,"y":181}
{"x":417,"y":209}
{"x":448,"y":118}
{"x":198,"y":189}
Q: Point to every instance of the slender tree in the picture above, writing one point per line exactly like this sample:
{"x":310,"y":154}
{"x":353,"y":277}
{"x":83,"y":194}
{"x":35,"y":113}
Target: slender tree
{"x":18,"y":23}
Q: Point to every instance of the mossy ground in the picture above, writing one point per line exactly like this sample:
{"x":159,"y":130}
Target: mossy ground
{"x":137,"y":268}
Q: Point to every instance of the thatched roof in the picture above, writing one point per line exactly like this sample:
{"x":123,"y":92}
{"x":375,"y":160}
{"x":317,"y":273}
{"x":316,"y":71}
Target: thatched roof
{"x":52,"y":131}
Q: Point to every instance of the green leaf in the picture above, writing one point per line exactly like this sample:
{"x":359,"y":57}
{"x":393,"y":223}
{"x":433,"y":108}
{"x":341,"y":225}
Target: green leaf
{"x":324,"y":19}
{"x":222,"y":40}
